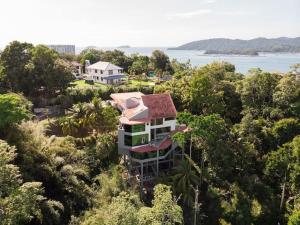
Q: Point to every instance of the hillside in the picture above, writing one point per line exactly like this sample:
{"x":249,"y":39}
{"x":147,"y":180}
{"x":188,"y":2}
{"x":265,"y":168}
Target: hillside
{"x":226,"y":46}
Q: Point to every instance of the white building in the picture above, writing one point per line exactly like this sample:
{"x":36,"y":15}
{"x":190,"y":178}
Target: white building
{"x":104,"y":72}
{"x":63,"y":49}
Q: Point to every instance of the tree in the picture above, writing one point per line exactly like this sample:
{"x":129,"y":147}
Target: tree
{"x":91,"y":54}
{"x":59,"y":166}
{"x":14,"y":61}
{"x":34,"y":70}
{"x":240,"y":209}
{"x":285,"y":130}
{"x":257,"y":93}
{"x":13,"y":109}
{"x":101,"y":153}
{"x":139,"y":65}
{"x":88,"y":117}
{"x":283,"y":172}
{"x":160,"y":62}
{"x":287,"y":95}
{"x":118,"y":58}
{"x":19,"y":202}
{"x":164,"y":210}
{"x":49,"y":72}
{"x":294,"y":219}
{"x":184,"y":179}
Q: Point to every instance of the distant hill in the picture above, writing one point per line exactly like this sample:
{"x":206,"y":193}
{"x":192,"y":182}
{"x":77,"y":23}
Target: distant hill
{"x":248,"y":47}
{"x":124,"y":46}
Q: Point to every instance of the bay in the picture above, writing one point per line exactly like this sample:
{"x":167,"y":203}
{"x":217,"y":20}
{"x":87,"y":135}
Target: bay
{"x":272,"y":62}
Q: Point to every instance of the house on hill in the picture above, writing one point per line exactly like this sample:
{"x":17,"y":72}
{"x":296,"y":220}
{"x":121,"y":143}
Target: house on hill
{"x":144,"y":135}
{"x":104,"y":72}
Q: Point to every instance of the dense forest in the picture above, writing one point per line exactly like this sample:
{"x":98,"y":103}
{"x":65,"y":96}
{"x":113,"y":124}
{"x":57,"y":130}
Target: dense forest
{"x":242,"y":161}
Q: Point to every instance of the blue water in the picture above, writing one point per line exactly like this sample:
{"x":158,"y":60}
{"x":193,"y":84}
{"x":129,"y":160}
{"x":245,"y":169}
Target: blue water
{"x":277,"y":62}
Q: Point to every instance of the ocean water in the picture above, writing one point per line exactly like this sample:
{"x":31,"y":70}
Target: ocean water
{"x":272,"y":62}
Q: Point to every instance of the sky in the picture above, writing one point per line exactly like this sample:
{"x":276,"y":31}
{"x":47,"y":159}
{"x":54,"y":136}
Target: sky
{"x":110,"y":23}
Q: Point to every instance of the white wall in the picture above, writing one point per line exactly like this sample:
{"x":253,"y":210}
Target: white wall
{"x":125,"y":149}
{"x":96,"y":77}
{"x":91,"y":71}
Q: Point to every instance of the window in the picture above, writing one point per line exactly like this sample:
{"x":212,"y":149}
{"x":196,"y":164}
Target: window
{"x":96,"y":71}
{"x":97,"y":78}
{"x":136,"y":140}
{"x":134,"y":128}
{"x":110,"y":72}
{"x":159,"y":121}
{"x":169,"y":118}
{"x":101,"y":71}
{"x":163,"y":130}
{"x":143,"y":155}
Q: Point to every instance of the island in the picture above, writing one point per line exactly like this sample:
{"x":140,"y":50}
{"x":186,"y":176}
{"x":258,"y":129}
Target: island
{"x":243,"y":47}
{"x":232,"y":52}
{"x":124,"y":46}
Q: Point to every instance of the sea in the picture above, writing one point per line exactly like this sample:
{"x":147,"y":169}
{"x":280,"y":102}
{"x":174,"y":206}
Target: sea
{"x":271,"y":62}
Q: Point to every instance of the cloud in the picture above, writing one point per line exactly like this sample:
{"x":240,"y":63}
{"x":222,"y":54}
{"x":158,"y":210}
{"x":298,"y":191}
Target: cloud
{"x":189,"y":14}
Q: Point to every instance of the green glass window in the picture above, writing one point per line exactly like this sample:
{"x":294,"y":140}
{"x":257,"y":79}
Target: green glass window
{"x":134,"y":128}
{"x":143,"y":155}
{"x":136,"y":140}
{"x":163,"y":130}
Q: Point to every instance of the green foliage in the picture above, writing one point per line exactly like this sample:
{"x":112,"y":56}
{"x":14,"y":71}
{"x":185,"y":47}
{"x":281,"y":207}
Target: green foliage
{"x":185,"y":178}
{"x":88,"y":117}
{"x":257,"y":93}
{"x":19,"y":202}
{"x":13,"y":109}
{"x":116,"y":57}
{"x":240,"y":209}
{"x":294,"y":219}
{"x":34,"y":70}
{"x":101,"y":153}
{"x":160,"y":62}
{"x":164,"y":210}
{"x":139,"y":65}
{"x":58,"y":165}
{"x":209,"y":89}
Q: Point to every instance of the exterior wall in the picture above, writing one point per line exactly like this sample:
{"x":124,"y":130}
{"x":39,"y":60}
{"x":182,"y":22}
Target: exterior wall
{"x":92,"y":71}
{"x":123,"y":149}
{"x":96,"y":76}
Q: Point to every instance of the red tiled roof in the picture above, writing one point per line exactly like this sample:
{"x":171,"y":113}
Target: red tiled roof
{"x":120,"y":98}
{"x":160,"y":105}
{"x":149,"y":148}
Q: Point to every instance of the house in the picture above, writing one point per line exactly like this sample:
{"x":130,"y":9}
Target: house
{"x":144,"y":135}
{"x":77,"y":69}
{"x":104,"y":72}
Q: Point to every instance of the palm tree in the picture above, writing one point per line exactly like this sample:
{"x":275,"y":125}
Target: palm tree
{"x":69,"y":126}
{"x":184,"y":179}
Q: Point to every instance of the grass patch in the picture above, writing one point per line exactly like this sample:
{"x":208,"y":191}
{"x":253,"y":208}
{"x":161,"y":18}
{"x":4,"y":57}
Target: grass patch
{"x":82,"y":85}
{"x":138,"y":83}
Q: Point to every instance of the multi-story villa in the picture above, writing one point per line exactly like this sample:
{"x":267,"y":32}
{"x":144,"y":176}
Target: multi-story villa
{"x":144,"y":136}
{"x":104,"y":72}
